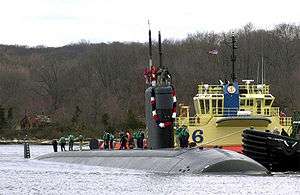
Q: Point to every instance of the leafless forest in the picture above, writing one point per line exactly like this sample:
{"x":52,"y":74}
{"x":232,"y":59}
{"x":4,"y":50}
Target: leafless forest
{"x":91,"y":87}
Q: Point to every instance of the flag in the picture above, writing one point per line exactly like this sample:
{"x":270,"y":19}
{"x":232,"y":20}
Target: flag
{"x":213,"y":52}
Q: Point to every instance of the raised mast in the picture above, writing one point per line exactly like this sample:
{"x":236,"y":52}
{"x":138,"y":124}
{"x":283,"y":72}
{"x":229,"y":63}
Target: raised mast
{"x":150,"y":46}
{"x":262,"y":60}
{"x":159,"y":50}
{"x":233,"y":57}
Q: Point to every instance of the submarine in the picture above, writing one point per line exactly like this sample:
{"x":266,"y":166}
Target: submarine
{"x":161,"y":156}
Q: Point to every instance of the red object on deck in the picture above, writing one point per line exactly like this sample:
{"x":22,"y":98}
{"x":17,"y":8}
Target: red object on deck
{"x":236,"y":148}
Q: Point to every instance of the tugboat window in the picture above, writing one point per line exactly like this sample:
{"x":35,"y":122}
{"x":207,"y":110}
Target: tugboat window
{"x":220,"y":106}
{"x":268,"y":102}
{"x":258,"y":106}
{"x":202,"y":106}
{"x":242,"y":102}
{"x":214,"y":105}
{"x":206,"y":106}
{"x":250,"y":102}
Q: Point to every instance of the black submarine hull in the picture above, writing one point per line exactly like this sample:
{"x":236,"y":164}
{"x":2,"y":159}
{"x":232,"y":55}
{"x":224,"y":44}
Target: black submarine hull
{"x":187,"y":161}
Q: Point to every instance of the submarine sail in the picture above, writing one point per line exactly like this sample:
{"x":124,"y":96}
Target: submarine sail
{"x":160,"y":103}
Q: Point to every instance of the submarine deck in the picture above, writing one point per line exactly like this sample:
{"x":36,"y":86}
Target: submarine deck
{"x":193,"y":161}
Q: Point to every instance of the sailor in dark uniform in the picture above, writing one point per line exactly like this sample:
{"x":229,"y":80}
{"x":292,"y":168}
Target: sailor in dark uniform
{"x":54,"y":144}
{"x":106,"y":139}
{"x":111,"y":141}
{"x":123,"y":141}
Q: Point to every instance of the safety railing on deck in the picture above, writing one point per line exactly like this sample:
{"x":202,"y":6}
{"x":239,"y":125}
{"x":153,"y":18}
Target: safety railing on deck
{"x":192,"y":121}
{"x":274,"y":111}
{"x":218,"y":89}
{"x":210,"y":89}
{"x":285,"y":121}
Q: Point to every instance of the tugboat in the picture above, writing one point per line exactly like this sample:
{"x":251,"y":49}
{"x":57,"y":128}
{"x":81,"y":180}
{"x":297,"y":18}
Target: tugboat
{"x":161,"y":157}
{"x":274,"y":151}
{"x":224,"y":110}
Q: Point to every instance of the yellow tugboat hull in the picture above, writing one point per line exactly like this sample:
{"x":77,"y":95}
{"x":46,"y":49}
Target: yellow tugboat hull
{"x":227,"y":131}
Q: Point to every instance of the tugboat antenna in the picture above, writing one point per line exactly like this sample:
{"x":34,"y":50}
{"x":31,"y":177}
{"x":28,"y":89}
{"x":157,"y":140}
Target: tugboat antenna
{"x":150,"y":46}
{"x":159,"y":50}
{"x":262,"y":60}
{"x":233,"y":57}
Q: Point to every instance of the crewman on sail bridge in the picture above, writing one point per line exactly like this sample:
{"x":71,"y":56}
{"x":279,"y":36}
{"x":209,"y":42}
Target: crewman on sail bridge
{"x":151,"y":75}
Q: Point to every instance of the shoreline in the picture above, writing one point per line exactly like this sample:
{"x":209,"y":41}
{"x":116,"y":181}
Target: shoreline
{"x":30,"y":141}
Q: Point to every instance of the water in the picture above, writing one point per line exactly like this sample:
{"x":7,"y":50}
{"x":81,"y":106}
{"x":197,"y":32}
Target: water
{"x":29,"y":176}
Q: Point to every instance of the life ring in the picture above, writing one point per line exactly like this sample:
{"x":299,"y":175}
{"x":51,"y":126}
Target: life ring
{"x":156,"y":118}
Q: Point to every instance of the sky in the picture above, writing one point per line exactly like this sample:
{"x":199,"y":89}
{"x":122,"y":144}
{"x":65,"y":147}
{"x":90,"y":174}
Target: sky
{"x":56,"y":23}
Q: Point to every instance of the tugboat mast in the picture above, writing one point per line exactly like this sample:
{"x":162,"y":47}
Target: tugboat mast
{"x":233,"y":56}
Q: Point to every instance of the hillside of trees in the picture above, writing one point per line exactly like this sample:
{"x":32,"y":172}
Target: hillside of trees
{"x":86,"y":87}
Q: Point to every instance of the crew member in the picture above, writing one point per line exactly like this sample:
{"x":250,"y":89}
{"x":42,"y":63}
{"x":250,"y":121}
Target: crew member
{"x":62,"y":143}
{"x":184,"y":137}
{"x":111,"y":141}
{"x":136,"y":136}
{"x":54,"y":144}
{"x":123,"y":140}
{"x":130,"y":140}
{"x":106,"y":139}
{"x":177,"y":135}
{"x":140,"y":140}
{"x":71,"y":142}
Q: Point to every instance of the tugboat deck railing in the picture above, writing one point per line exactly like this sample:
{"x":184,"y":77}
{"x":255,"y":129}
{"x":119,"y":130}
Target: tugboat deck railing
{"x":204,"y":119}
{"x":249,"y":89}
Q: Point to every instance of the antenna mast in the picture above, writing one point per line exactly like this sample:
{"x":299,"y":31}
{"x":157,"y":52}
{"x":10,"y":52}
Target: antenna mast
{"x":233,"y":57}
{"x":262,"y":60}
{"x":159,"y":50}
{"x":150,"y":46}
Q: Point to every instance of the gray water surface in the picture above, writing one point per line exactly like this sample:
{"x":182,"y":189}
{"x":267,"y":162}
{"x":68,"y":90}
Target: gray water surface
{"x":29,"y":176}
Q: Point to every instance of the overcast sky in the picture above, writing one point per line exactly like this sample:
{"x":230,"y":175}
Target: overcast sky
{"x":61,"y":22}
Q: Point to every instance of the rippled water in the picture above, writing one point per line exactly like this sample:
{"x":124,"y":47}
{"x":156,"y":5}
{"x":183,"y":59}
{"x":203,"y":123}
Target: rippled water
{"x":23,"y":176}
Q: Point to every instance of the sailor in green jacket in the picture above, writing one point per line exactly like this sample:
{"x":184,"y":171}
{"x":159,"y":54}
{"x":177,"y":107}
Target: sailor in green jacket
{"x":136,"y":136}
{"x":177,"y":135}
{"x":184,"y":137}
{"x":62,"y":143}
{"x":106,"y":139}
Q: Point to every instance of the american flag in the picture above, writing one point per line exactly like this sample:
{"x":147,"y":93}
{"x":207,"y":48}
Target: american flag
{"x":213,"y":52}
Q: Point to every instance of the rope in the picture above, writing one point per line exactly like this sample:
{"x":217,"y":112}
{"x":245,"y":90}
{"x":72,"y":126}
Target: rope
{"x":225,"y":136}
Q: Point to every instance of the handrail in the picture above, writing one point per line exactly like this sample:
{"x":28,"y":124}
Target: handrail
{"x":285,"y":121}
{"x":218,"y":89}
